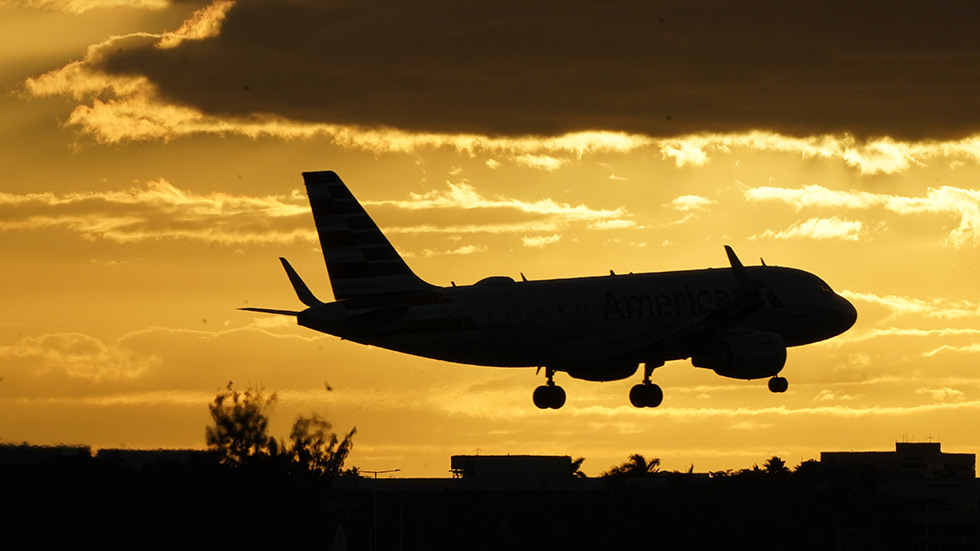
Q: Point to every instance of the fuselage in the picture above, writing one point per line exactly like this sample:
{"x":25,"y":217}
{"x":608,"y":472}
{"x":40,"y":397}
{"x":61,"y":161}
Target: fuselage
{"x":736,"y":321}
{"x":506,"y":323}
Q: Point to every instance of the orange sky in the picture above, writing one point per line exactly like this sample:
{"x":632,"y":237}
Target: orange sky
{"x":150,"y":161}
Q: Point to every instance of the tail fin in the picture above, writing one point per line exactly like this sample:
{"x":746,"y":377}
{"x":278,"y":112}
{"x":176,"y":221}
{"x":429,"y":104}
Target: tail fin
{"x":359,"y":258}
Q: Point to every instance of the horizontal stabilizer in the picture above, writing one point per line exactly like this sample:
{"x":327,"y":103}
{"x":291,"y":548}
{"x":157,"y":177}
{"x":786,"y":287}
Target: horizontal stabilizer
{"x":302,"y":291}
{"x":272,"y":311}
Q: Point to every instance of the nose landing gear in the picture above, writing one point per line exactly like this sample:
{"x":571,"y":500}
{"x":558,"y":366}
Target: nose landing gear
{"x":549,"y":395}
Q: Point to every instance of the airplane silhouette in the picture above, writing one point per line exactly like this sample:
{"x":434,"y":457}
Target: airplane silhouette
{"x":735,"y":321}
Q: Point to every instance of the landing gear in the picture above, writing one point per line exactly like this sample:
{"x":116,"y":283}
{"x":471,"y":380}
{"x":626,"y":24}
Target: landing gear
{"x":778,"y":384}
{"x":549,"y":395}
{"x":646,"y":394}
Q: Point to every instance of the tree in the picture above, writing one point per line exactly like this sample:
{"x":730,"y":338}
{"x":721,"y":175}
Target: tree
{"x":775,"y":465}
{"x":577,"y":468}
{"x":239,"y":436}
{"x":315,"y":449}
{"x":241,"y":423}
{"x":636,"y":466}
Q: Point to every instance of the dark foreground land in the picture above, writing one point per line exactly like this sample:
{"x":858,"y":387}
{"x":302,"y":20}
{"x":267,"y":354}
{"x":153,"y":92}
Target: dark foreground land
{"x":72,"y":502}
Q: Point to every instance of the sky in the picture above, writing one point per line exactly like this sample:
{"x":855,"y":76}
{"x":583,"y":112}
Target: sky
{"x":150,"y":175}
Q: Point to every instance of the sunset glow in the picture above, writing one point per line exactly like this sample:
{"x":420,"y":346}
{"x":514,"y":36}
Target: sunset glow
{"x":151,"y":159}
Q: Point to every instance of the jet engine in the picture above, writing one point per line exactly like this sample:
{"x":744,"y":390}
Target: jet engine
{"x":746,"y":356}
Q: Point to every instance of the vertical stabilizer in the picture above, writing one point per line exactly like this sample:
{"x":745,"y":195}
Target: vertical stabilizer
{"x":359,"y":258}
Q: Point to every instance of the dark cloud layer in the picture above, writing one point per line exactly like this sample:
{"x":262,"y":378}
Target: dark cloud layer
{"x":903,"y":69}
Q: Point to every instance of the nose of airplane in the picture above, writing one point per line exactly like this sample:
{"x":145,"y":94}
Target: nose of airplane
{"x":844,"y":314}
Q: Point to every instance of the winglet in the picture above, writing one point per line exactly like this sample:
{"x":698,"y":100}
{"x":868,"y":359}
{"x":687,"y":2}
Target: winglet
{"x":736,"y":263}
{"x":749,"y":285}
{"x":741,"y":274}
{"x":302,"y":291}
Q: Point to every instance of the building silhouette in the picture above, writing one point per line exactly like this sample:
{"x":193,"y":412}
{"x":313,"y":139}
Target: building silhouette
{"x":916,"y":497}
{"x":910,"y":459}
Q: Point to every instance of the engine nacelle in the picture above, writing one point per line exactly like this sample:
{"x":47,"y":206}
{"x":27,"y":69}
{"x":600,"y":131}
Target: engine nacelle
{"x":748,"y":356}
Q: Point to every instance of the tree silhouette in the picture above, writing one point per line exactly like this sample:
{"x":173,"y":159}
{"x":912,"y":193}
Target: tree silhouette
{"x":315,"y":449}
{"x":775,"y":465}
{"x":577,"y":468}
{"x":636,"y":466}
{"x":241,"y":423}
{"x":239,"y":436}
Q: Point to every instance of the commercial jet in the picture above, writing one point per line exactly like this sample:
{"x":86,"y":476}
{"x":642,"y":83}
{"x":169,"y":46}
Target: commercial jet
{"x":736,"y":321}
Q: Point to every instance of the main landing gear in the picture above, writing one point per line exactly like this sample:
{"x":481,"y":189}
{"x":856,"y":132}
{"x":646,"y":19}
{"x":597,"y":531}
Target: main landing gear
{"x":646,"y":394}
{"x":778,"y":384}
{"x":549,"y":395}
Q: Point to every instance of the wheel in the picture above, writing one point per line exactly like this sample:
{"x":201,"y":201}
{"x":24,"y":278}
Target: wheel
{"x":549,"y":397}
{"x":655,"y":396}
{"x":557,"y":398}
{"x":646,"y":395}
{"x":542,"y":397}
{"x":638,"y":396}
{"x":778,"y":384}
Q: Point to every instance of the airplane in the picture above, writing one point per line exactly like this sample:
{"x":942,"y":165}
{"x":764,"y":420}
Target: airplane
{"x":737,"y":321}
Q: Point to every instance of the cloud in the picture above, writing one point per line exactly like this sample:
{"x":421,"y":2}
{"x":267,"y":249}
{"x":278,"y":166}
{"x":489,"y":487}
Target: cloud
{"x":944,"y":394}
{"x":630,"y":417}
{"x":550,"y":67}
{"x":827,"y":395}
{"x":186,"y":398}
{"x":457,"y":229}
{"x":971,"y":349}
{"x":618,"y":224}
{"x":819,"y":228}
{"x":947,"y":200}
{"x":940,"y":308}
{"x":202,"y":24}
{"x":543,"y":216}
{"x":464,"y":250}
{"x":875,"y":332}
{"x":690,"y":203}
{"x":130,"y":107}
{"x":685,"y":152}
{"x":82,"y":6}
{"x":544,"y":162}
{"x":431,"y":73}
{"x":872,"y":155}
{"x":77,"y":356}
{"x":540,"y":241}
{"x":160,"y":210}
{"x":466,"y":197}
